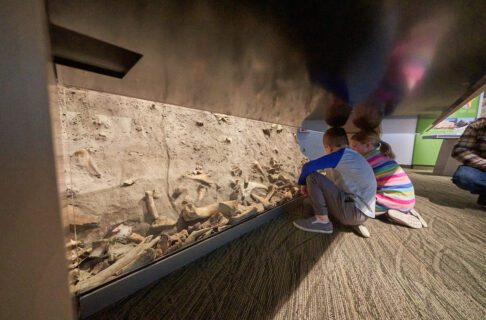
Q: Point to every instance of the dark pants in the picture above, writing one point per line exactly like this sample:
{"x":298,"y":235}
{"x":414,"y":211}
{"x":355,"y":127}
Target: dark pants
{"x":471,"y":179}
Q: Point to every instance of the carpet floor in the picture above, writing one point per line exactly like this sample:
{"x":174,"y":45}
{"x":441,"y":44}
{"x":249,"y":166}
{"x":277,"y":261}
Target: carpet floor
{"x":279,"y":272}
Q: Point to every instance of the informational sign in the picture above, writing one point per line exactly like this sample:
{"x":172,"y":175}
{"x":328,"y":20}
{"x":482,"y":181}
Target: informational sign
{"x":457,"y":122}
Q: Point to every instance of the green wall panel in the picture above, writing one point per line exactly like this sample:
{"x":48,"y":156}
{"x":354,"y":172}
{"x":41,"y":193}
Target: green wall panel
{"x":425,"y":151}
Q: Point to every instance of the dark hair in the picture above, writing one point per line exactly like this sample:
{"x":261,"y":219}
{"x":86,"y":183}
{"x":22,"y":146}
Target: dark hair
{"x":337,"y":114}
{"x":335,"y":137}
{"x":367,"y":116}
{"x":374,"y":138}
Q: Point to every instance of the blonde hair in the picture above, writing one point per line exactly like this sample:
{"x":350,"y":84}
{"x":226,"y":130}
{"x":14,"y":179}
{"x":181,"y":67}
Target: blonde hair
{"x":374,"y":138}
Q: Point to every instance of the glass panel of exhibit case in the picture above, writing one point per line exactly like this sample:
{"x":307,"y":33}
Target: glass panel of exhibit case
{"x":145,"y":179}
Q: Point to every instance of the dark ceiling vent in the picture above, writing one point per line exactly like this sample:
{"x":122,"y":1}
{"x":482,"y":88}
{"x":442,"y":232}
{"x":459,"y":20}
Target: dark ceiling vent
{"x":76,"y":50}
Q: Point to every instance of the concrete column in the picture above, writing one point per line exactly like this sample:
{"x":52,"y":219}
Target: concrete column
{"x":33,"y":272}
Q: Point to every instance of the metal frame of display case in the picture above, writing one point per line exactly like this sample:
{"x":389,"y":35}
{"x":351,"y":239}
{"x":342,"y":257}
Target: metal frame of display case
{"x":98,"y":298}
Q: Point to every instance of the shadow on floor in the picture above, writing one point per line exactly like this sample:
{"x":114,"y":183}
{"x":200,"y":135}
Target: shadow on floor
{"x":249,"y":278}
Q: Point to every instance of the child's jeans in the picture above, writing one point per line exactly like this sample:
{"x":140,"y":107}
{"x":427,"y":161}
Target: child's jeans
{"x":325,"y":195}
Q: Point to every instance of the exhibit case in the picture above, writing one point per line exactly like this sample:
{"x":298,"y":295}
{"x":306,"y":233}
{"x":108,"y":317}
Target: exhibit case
{"x":143,"y":180}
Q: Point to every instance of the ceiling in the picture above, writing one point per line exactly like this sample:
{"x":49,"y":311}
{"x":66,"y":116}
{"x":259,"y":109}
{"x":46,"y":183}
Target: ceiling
{"x":283,"y":61}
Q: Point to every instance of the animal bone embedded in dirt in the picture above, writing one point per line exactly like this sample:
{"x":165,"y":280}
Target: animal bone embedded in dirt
{"x":259,"y":168}
{"x":156,"y":194}
{"x":164,"y":222}
{"x":265,"y":200}
{"x":201,"y":192}
{"x":228,"y":208}
{"x":122,"y":232}
{"x":152,"y":210}
{"x":279,"y":128}
{"x":135,"y":237}
{"x":142,"y":259}
{"x":201,"y":177}
{"x":243,"y":215}
{"x":190,"y":212}
{"x":85,"y":160}
{"x":128,"y":182}
{"x":252,"y":185}
{"x":72,"y":243}
{"x":215,"y":221}
{"x":112,"y":270}
{"x":195,"y":234}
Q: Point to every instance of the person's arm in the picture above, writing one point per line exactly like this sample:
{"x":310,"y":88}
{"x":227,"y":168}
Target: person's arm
{"x":328,"y":161}
{"x":463,"y":150}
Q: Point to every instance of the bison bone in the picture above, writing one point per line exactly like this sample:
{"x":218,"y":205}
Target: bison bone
{"x":265,"y":200}
{"x":84,"y":159}
{"x":135,"y":237}
{"x":149,"y":200}
{"x":195,"y":234}
{"x":259,"y":168}
{"x":228,"y":208}
{"x":190,"y":212}
{"x":215,"y":221}
{"x":201,"y":192}
{"x":243,"y":215}
{"x":201,"y":177}
{"x":164,"y":222}
{"x":246,"y":192}
{"x":73,"y":243}
{"x":112,"y":270}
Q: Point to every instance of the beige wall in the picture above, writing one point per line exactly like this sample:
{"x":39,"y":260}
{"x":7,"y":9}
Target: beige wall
{"x":33,"y":273}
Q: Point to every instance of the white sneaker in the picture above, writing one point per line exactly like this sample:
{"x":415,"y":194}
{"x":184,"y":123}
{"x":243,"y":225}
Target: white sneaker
{"x":362,"y":231}
{"x":408,"y":220}
{"x":422,"y":221}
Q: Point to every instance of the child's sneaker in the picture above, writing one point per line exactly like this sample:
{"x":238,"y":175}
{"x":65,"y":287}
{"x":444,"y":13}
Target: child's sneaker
{"x":408,"y":220}
{"x":422,"y":221}
{"x":313,"y":225}
{"x":362,"y":231}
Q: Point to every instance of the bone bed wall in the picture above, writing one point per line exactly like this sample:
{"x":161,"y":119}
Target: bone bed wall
{"x":144,"y":178}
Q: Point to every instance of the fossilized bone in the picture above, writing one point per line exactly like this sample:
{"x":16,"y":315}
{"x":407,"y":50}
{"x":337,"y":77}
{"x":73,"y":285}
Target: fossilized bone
{"x":84,"y":159}
{"x":265,"y":200}
{"x":135,"y":237}
{"x":195,"y":234}
{"x":164,"y":222}
{"x":215,"y":221}
{"x":128,"y":183}
{"x":201,"y":192}
{"x":72,"y":243}
{"x":243,"y":215}
{"x":142,"y":259}
{"x":190,"y":212}
{"x":121,"y":263}
{"x":122,"y":231}
{"x":246,"y":192}
{"x":201,"y":177}
{"x":228,"y":208}
{"x":259,"y":168}
{"x":152,"y":210}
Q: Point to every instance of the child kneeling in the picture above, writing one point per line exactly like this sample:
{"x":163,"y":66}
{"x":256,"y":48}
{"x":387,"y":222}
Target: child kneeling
{"x":395,"y":194}
{"x":346,"y":191}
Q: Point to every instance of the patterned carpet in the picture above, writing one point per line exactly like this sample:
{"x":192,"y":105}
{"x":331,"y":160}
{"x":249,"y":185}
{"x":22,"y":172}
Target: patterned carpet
{"x":278,"y":272}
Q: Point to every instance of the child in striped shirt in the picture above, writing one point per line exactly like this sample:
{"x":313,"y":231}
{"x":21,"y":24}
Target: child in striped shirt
{"x":395,"y":195}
